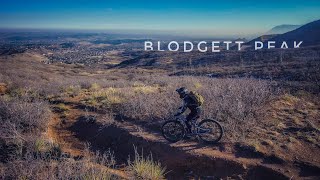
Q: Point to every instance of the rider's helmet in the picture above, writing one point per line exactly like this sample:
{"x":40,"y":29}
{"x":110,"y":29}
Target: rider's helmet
{"x":182,"y":92}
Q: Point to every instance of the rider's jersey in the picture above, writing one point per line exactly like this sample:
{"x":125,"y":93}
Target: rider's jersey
{"x":188,"y":102}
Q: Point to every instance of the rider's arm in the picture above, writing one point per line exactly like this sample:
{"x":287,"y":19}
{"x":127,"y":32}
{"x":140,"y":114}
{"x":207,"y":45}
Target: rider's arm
{"x":183,"y":108}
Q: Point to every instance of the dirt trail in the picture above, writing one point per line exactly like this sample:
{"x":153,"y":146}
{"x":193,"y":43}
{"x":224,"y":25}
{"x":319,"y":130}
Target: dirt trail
{"x":183,"y":159}
{"x":59,"y":132}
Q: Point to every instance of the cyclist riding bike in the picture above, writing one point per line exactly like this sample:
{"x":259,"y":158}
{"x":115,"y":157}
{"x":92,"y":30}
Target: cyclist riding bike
{"x":192,"y":101}
{"x":207,"y":130}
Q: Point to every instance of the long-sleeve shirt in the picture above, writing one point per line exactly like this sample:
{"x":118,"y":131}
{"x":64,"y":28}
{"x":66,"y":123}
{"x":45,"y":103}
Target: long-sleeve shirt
{"x":187,"y":102}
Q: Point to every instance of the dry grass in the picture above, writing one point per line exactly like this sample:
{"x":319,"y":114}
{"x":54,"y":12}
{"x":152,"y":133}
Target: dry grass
{"x":237,"y":103}
{"x":22,"y":116}
{"x":72,"y":90}
{"x":234,"y":102}
{"x":142,"y":96}
{"x":22,"y":122}
{"x":25,"y":154}
{"x":36,"y":167}
{"x":145,"y":168}
{"x":104,"y":98}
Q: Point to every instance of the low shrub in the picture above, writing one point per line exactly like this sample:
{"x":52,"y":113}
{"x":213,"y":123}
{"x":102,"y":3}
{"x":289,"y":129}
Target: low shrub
{"x":237,"y":103}
{"x":35,"y":167}
{"x":145,"y":168}
{"x":22,"y":121}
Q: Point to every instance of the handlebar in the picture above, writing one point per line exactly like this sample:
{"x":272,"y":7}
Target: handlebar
{"x":180,"y":117}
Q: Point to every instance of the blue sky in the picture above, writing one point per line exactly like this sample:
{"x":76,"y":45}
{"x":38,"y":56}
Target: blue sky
{"x":194,"y":17}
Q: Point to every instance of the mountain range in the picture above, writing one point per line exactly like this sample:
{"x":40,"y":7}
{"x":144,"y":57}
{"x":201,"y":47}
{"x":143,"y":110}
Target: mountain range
{"x":308,"y":33}
{"x":281,"y":29}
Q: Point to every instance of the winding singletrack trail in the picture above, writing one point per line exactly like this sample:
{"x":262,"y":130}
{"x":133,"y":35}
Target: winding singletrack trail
{"x":184,"y":160}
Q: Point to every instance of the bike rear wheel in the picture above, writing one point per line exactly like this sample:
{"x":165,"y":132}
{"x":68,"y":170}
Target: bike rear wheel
{"x":173,"y":131}
{"x":210,"y":131}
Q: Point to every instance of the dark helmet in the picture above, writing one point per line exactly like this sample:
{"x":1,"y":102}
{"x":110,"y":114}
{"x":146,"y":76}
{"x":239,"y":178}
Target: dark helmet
{"x":182,"y":92}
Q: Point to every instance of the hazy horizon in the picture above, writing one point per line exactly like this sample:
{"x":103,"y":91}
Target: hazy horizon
{"x":192,"y":18}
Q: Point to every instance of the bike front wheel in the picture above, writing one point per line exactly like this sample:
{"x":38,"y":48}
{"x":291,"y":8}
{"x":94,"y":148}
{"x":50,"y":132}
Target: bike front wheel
{"x":173,"y":131}
{"x":210,"y":131}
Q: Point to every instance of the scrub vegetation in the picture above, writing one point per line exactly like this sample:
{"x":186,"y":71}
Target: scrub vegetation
{"x":49,"y":112}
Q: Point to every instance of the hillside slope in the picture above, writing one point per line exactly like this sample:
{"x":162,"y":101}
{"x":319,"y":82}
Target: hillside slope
{"x":282,"y":29}
{"x":309,"y":34}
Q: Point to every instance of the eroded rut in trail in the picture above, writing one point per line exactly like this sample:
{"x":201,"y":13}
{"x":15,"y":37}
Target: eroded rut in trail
{"x":183,"y":159}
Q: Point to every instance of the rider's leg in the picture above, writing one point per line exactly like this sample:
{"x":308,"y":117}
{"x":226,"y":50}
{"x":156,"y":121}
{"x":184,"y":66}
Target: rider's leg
{"x":193,"y":116}
{"x":199,"y":112}
{"x":188,"y":123}
{"x":190,"y":118}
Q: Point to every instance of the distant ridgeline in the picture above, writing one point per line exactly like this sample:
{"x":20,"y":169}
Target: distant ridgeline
{"x":304,"y":36}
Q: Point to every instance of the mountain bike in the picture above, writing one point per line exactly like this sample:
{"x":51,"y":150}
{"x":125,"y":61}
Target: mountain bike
{"x":207,"y":130}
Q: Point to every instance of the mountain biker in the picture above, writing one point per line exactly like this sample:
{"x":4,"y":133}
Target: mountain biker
{"x":191,"y":102}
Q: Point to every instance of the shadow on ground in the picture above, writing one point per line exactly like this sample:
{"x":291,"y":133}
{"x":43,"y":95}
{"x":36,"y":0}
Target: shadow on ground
{"x":180,"y":163}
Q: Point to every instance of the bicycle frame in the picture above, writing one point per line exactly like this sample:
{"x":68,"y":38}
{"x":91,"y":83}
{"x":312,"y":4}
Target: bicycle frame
{"x":195,"y":128}
{"x":181,"y":119}
{"x":198,"y":129}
